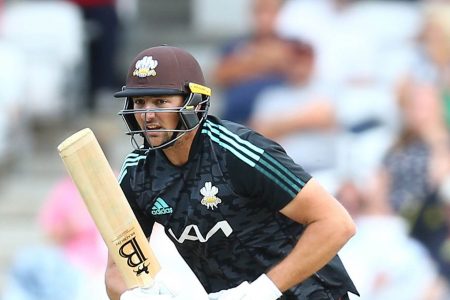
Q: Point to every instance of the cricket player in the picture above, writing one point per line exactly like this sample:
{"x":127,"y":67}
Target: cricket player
{"x":249,"y":222}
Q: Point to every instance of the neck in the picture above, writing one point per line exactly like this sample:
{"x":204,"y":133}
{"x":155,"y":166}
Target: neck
{"x":178,"y":153}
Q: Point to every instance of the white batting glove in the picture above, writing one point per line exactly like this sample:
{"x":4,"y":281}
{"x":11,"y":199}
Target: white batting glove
{"x":166,"y":286}
{"x":261,"y":289}
{"x":144,"y":294}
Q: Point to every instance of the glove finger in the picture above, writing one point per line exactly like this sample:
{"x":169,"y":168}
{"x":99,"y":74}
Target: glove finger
{"x":215,"y":296}
{"x":168,"y":283}
{"x":231,"y":294}
{"x":144,"y":294}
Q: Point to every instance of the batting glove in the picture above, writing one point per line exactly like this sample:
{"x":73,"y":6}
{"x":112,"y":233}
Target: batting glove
{"x":166,"y":286}
{"x":144,"y":294}
{"x":261,"y":289}
{"x":159,"y":290}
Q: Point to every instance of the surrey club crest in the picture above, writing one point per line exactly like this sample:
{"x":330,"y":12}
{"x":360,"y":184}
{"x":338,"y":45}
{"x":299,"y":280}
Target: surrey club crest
{"x":145,"y":67}
{"x":209,"y":193}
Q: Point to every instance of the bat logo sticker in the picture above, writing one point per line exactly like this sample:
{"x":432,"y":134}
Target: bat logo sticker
{"x":140,"y":269}
{"x":135,"y":258}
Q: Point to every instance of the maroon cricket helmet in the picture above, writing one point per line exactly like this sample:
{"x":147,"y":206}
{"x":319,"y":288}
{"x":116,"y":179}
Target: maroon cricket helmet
{"x":162,"y":70}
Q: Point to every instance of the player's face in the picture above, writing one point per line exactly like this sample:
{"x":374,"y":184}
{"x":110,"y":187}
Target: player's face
{"x":156,"y":122}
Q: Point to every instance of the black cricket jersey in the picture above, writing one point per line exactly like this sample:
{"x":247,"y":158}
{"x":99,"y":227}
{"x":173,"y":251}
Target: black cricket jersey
{"x":221,"y":209}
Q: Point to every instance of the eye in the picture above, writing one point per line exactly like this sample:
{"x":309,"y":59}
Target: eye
{"x":161,"y":101}
{"x":138,"y":102}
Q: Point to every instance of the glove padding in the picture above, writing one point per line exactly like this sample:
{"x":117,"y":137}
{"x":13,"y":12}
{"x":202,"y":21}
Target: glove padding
{"x":261,"y":289}
{"x":166,"y":286}
{"x":161,"y":289}
{"x":144,"y":294}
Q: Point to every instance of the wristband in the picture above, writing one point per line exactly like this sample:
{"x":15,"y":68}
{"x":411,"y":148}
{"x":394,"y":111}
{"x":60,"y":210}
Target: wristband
{"x":261,"y":289}
{"x":264,"y":288}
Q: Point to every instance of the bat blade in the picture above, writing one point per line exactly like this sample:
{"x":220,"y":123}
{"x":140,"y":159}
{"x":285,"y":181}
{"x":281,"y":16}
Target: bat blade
{"x":90,"y":171}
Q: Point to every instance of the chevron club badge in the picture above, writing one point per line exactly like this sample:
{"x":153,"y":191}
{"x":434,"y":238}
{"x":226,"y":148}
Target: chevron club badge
{"x":145,"y":67}
{"x":209,"y":192}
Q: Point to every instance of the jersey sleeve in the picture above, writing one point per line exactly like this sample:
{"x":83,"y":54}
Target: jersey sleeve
{"x":261,"y":169}
{"x":125,"y":179}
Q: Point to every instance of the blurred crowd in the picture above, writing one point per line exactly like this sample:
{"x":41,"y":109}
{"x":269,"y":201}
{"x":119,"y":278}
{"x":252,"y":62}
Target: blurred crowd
{"x":358,"y":94}
{"x":58,"y":61}
{"x":356,"y":91}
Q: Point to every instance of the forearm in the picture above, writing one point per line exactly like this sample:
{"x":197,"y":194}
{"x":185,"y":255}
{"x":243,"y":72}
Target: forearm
{"x":235,"y":70}
{"x":319,"y":243}
{"x":251,"y":62}
{"x":115,"y":285}
{"x":318,"y":115}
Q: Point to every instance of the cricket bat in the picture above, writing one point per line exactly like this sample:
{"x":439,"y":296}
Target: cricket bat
{"x":127,"y":244}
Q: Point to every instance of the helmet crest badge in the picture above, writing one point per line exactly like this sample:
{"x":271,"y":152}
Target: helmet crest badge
{"x":145,"y":67}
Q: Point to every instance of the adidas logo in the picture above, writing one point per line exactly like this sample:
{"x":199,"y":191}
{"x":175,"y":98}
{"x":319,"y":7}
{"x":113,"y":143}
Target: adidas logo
{"x":161,"y":208}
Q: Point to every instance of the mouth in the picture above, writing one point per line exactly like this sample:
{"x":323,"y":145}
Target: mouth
{"x":153,"y":130}
{"x":152,"y":127}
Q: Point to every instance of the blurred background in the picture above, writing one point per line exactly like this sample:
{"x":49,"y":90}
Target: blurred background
{"x":357,"y":91}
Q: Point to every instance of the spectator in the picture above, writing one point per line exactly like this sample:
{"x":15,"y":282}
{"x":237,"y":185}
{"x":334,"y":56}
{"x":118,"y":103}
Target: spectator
{"x":432,"y":57}
{"x":251,"y":63}
{"x":308,"y":120}
{"x":349,"y":51}
{"x":102,"y":26}
{"x":72,"y":262}
{"x":353,"y":122}
{"x":386,"y":262}
{"x":66,"y":221}
{"x":416,"y":171}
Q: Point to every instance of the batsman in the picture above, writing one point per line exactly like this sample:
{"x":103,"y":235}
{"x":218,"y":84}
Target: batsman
{"x":249,"y":222}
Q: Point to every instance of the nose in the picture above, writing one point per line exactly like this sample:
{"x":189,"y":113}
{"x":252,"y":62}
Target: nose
{"x":148,"y":115}
{"x":148,"y":112}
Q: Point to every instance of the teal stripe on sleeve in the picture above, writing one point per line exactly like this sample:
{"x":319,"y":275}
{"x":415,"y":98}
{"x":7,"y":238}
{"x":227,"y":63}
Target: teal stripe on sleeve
{"x":235,"y":136}
{"x":274,"y":179}
{"x":228,"y":147}
{"x":131,"y":160}
{"x":284,"y":169}
{"x":254,"y":157}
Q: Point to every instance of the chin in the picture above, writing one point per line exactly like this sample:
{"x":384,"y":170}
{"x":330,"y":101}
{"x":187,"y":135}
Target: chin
{"x":156,"y":142}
